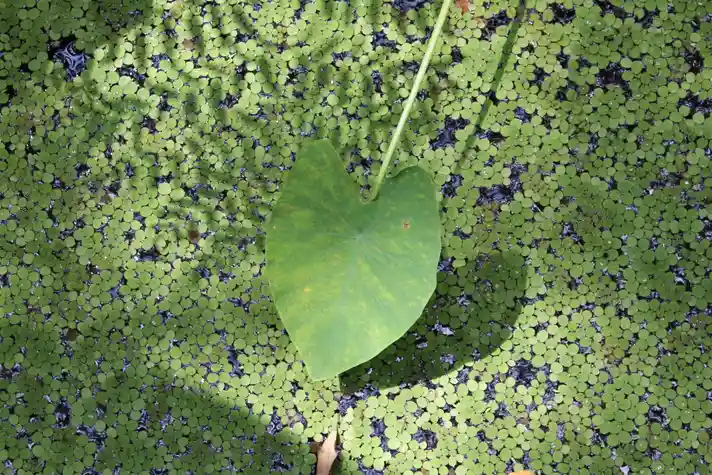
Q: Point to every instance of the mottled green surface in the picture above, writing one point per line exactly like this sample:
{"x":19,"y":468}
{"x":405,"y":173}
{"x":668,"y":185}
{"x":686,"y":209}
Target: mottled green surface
{"x":349,"y":277}
{"x":571,"y":325}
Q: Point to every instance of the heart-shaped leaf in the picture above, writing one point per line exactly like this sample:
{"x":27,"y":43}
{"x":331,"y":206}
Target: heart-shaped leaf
{"x":350,"y":277}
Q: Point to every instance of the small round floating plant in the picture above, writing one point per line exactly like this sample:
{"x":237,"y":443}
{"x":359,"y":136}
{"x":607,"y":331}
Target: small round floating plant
{"x":145,"y":146}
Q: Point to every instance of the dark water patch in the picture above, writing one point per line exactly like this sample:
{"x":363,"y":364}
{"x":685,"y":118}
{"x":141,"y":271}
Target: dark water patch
{"x":157,"y":58}
{"x":501,"y":412}
{"x":446,"y":135}
{"x":411,"y":66}
{"x":233,"y":359}
{"x":523,"y":372}
{"x":131,"y":72}
{"x":9,"y":373}
{"x":377,"y":81}
{"x":500,"y":194}
{"x":562,"y":14}
{"x":612,"y":75}
{"x":278,"y":464}
{"x":336,"y":57}
{"x":381,"y":39}
{"x":494,"y":22}
{"x":275,"y":424}
{"x":92,"y":434}
{"x":665,"y":180}
{"x":693,"y":101}
{"x":82,"y":169}
{"x":150,"y":124}
{"x":147,"y":255}
{"x":456,"y":55}
{"x":463,"y":375}
{"x":539,"y":76}
{"x":445,"y":265}
{"x":550,"y":391}
{"x":449,"y":189}
{"x":694,"y":60}
{"x":522,"y":115}
{"x":63,"y":51}
{"x":406,"y":5}
{"x":63,"y":413}
{"x":657,"y":414}
{"x":563,"y":59}
{"x":492,"y":136}
{"x":427,"y":436}
{"x":568,"y":231}
{"x":608,"y":8}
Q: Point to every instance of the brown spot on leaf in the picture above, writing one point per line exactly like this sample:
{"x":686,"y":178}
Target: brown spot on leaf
{"x":72,"y":334}
{"x":406,"y":225}
{"x":463,"y":5}
{"x":193,"y":236}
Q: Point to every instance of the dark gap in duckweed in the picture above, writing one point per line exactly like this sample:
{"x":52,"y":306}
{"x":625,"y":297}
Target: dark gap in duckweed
{"x":340,"y":56}
{"x":609,"y":8}
{"x":379,"y":38}
{"x":92,"y":434}
{"x":694,"y":60}
{"x":523,"y":372}
{"x":411,"y":66}
{"x":446,"y":135}
{"x":131,"y":72}
{"x":657,"y":414}
{"x":157,"y":58}
{"x":649,"y":16}
{"x":445,"y":265}
{"x":696,"y":105}
{"x":568,"y":231}
{"x":563,"y":59}
{"x":539,"y":77}
{"x":147,"y":255}
{"x":502,"y":411}
{"x":522,"y":115}
{"x":82,"y":170}
{"x":363,"y":470}
{"x":449,"y":189}
{"x":62,"y":414}
{"x":378,"y":430}
{"x":493,"y":22}
{"x":562,"y":14}
{"x":456,"y":55}
{"x":490,"y":390}
{"x":612,"y":75}
{"x":500,"y":194}
{"x":426,"y":436}
{"x":63,"y":51}
{"x":666,"y":180}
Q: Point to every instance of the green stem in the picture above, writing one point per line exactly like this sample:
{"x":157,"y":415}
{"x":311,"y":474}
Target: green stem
{"x":411,"y":98}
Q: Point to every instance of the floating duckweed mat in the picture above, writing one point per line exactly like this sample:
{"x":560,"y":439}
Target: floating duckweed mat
{"x":143,"y":146}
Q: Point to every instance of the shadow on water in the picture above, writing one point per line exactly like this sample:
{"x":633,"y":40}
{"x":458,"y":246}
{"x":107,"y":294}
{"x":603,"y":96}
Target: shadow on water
{"x":473,"y":311}
{"x":502,"y":65}
{"x":107,"y":409}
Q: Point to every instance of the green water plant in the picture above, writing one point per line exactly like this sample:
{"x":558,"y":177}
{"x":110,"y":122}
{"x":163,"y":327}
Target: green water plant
{"x":348,"y":276}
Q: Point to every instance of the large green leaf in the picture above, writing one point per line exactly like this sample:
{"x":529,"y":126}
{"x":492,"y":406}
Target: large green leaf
{"x":349,"y":277}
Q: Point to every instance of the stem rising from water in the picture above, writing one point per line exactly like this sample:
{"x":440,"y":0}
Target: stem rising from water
{"x":411,"y":98}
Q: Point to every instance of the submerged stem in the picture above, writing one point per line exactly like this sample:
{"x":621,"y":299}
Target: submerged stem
{"x":411,"y":98}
